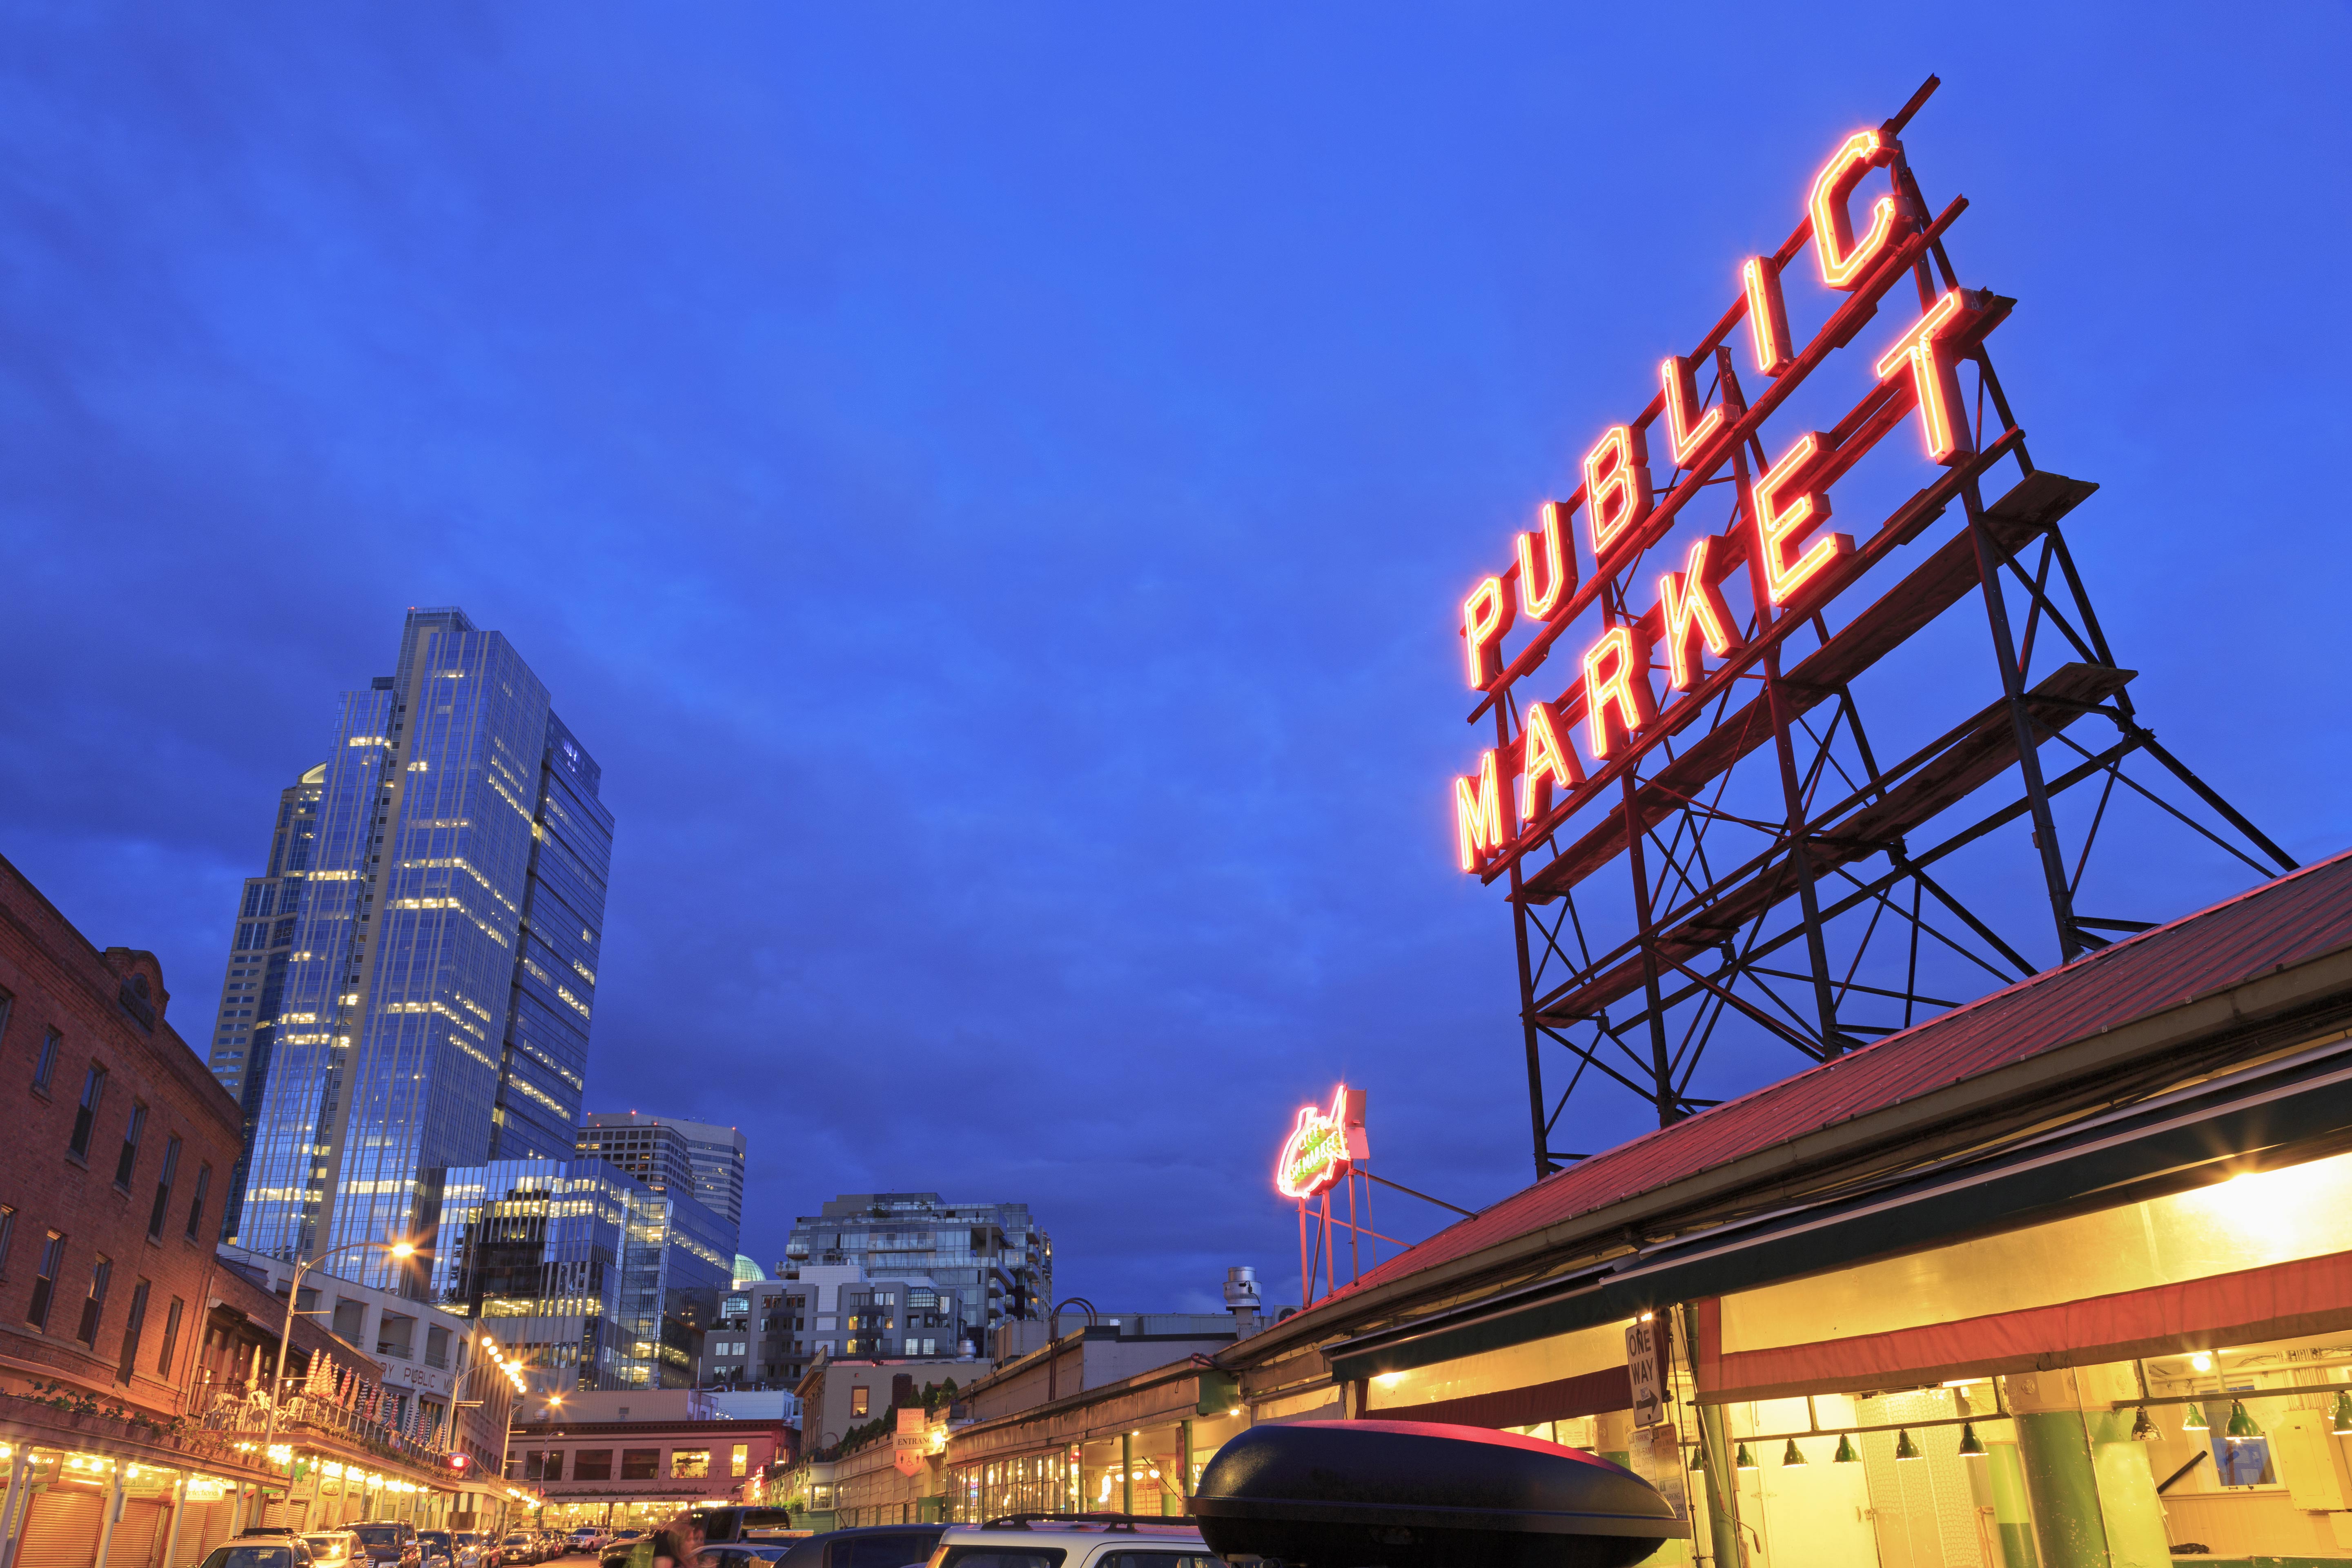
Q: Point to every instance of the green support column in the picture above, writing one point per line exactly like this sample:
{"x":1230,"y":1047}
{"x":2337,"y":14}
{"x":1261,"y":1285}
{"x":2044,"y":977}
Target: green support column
{"x":1722,"y":1520}
{"x":2013,"y":1520}
{"x":1126,"y":1472}
{"x":2093,"y":1496}
{"x":1185,"y":1458}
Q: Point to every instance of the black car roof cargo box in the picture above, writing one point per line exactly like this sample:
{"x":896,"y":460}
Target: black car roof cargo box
{"x":1406,"y":1494}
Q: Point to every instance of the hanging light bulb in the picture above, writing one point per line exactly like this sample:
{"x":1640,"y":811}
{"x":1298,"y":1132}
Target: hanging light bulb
{"x":2195,"y":1420}
{"x":1743,"y":1460}
{"x":1905,"y":1449}
{"x":2242,"y":1426}
{"x":1793,"y":1455}
{"x":1971,"y":1446}
{"x":2143,"y":1429}
{"x":1846,"y":1453}
{"x":2341,"y":1425}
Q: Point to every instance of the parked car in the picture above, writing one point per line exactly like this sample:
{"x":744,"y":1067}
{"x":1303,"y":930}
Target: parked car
{"x":259,"y":1549}
{"x":435,"y":1549}
{"x":386,"y":1543}
{"x":866,"y":1546}
{"x":1105,"y":1541}
{"x":334,"y":1548}
{"x":587,"y":1538}
{"x":518,"y":1546}
{"x":616,"y":1553}
{"x":471,"y":1550}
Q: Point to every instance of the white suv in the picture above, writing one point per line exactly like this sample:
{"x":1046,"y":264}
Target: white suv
{"x":1029,"y":1541}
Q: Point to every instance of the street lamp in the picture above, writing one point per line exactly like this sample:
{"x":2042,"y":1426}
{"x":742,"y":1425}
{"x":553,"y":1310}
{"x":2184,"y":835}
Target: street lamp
{"x":489,"y":1349}
{"x":286,"y":1342}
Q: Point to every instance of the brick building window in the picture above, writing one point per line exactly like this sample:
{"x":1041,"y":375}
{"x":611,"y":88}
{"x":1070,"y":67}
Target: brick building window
{"x":592,"y":1465}
{"x":738,"y":1461}
{"x":6,"y":1002}
{"x":7,"y":1234}
{"x":128,"y":1160}
{"x":94,"y":1305}
{"x":534,"y":1466}
{"x":46,"y":1063}
{"x":131,"y":1327}
{"x":45,"y":1283}
{"x":171,"y":1339}
{"x":554,"y":1464}
{"x":93,"y":1089}
{"x":640,"y":1463}
{"x":164,"y":1188}
{"x":859,"y":1398}
{"x":690,"y":1463}
{"x":196,"y":1208}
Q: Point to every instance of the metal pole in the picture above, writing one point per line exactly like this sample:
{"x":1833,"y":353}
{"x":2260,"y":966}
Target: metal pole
{"x":113,"y":1518}
{"x":1661,"y":1065}
{"x":179,"y":1508}
{"x":2029,"y":759}
{"x":1808,"y":896}
{"x":1126,"y":1472}
{"x":20,"y":1493}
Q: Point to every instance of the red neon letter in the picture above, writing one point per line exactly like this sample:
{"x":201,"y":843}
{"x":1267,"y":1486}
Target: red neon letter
{"x":1688,"y":601}
{"x":1544,"y":761}
{"x":1681,"y":388}
{"x":1782,"y":521}
{"x":1616,"y":688}
{"x":1478,"y":813}
{"x":1485,"y":616}
{"x":1844,"y":258}
{"x":1616,"y":487}
{"x":1559,"y":566}
{"x":1935,"y":378}
{"x":1767,"y":315}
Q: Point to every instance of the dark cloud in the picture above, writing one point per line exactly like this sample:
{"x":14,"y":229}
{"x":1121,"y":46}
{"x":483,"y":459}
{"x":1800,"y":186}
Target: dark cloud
{"x":990,"y":485}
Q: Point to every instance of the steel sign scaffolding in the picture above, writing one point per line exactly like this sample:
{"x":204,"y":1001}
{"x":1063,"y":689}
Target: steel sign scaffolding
{"x":1778,"y":888}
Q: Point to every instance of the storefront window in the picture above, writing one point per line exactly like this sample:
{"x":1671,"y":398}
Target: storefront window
{"x":689,"y":1462}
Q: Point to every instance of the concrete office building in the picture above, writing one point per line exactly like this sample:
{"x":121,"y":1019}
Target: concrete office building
{"x":992,"y":1257}
{"x":439,"y":976}
{"x":663,"y":1151}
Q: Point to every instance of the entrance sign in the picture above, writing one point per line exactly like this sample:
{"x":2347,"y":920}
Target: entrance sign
{"x":911,"y":1443}
{"x":1668,"y":663}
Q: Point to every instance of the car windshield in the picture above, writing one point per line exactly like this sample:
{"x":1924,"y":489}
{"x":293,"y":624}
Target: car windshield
{"x":516,"y":1541}
{"x":377,"y":1534}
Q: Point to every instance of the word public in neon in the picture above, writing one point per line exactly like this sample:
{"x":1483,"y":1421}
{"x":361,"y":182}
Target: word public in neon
{"x":1323,"y":1146}
{"x":1791,"y":560}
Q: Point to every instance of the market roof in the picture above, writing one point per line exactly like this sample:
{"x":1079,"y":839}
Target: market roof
{"x":2298,"y":916}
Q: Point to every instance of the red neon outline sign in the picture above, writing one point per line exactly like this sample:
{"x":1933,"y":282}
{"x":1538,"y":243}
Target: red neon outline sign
{"x":1689,"y":601}
{"x":1780,"y":524}
{"x":1846,"y":262}
{"x":1316,"y":1154}
{"x":1933,"y":377}
{"x":1559,"y":566}
{"x":1478,"y":813}
{"x":1616,"y":487}
{"x":1767,"y":314}
{"x":1684,"y":439}
{"x":1545,"y":760}
{"x":1485,"y":616}
{"x":1624,"y":691}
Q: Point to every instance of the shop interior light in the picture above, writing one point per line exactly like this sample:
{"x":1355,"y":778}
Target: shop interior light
{"x":2143,"y":1429}
{"x":1971,"y":1446}
{"x":2202,"y":1361}
{"x":1743,"y":1460}
{"x":1846,"y":1453}
{"x":1905,"y":1449}
{"x":1793,"y":1455}
{"x":2195,"y":1420}
{"x":2242,"y":1426}
{"x":2342,"y":1425}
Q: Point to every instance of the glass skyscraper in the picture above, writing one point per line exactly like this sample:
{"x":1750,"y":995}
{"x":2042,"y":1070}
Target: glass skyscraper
{"x":441,"y":971}
{"x":580,"y":1270}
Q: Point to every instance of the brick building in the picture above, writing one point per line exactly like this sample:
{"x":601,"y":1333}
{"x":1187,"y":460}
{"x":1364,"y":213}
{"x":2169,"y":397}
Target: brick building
{"x":134,"y":1366}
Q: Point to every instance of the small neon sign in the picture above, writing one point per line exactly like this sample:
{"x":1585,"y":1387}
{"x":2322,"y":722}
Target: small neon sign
{"x":1323,"y":1146}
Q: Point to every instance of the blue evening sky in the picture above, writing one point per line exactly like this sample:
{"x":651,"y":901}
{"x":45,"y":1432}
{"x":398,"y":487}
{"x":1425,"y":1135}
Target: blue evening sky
{"x":991,"y":484}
